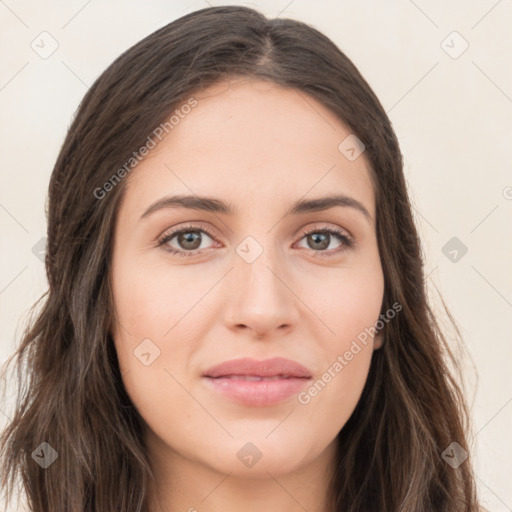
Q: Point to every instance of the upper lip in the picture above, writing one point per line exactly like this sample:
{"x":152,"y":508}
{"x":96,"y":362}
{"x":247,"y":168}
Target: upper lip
{"x":277,"y":366}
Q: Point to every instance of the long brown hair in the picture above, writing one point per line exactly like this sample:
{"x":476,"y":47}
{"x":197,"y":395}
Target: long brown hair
{"x":71,"y":393}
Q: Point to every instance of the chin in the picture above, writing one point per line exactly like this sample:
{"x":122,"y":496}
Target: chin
{"x":257,"y":457}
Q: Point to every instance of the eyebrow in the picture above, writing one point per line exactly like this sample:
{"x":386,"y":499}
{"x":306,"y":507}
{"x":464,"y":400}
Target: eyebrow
{"x":211,"y":204}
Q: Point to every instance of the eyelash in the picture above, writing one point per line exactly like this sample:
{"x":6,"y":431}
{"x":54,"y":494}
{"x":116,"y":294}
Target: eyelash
{"x":347,"y":242}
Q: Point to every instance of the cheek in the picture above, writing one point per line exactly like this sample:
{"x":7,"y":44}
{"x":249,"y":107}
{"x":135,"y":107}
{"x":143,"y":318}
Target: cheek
{"x":150,"y":360}
{"x":349,"y":306}
{"x":139,"y":325}
{"x":153,"y":336}
{"x":332,"y":397}
{"x":346,"y":356}
{"x":348,"y":302}
{"x":137,"y":292}
{"x":150,"y":299}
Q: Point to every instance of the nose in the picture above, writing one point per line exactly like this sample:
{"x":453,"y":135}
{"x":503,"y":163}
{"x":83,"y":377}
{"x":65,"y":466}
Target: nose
{"x":261,"y":300}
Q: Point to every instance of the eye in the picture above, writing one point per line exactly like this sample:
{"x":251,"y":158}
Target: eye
{"x":319,"y":240}
{"x":189,"y":240}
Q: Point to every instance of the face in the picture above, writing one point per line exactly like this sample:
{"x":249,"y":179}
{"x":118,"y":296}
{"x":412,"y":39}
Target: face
{"x":247,"y":275}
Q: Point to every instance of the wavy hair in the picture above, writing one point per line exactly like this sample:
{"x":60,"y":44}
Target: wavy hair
{"x":70,"y":391}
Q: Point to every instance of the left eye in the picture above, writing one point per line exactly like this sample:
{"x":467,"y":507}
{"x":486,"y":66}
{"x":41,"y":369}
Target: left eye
{"x":320,"y":240}
{"x":190,"y":240}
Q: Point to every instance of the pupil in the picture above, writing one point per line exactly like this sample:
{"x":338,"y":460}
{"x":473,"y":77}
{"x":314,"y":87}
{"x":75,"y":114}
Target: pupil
{"x":189,"y":240}
{"x":324,"y":243}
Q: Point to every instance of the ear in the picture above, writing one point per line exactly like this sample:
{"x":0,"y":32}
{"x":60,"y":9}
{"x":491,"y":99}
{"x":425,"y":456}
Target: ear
{"x":378,"y":340}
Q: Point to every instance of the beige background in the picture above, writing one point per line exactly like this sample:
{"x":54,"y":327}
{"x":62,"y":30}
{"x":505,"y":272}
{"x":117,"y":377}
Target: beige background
{"x":452,"y":114}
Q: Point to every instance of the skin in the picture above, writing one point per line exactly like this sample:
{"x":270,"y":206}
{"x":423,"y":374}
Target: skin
{"x":259,"y":147}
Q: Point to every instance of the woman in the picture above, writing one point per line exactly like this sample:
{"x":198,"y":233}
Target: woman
{"x":237,"y":313}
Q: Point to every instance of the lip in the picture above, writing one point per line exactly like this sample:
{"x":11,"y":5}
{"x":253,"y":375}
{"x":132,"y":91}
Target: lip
{"x":257,"y":383}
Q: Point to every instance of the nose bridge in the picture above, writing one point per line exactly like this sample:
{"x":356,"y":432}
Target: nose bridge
{"x":258,"y":266}
{"x":260,"y":299}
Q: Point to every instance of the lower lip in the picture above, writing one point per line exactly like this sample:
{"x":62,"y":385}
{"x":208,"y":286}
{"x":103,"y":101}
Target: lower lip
{"x":260,"y":393}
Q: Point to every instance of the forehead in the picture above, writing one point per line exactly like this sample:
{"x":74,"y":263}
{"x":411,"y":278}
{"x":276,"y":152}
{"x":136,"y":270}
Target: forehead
{"x":250,"y":141}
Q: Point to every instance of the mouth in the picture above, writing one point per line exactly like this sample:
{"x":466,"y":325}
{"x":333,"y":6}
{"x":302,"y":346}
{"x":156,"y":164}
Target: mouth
{"x":254,"y":378}
{"x":257,"y":383}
